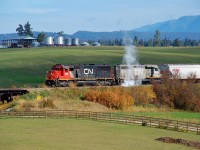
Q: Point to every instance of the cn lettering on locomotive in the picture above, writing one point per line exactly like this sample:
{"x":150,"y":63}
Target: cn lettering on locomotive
{"x":88,"y":71}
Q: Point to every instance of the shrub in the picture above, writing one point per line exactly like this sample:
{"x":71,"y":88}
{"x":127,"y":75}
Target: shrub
{"x":143,"y":95}
{"x":117,"y":98}
{"x":28,"y":105}
{"x":46,"y":103}
{"x":13,"y":104}
{"x":178,"y":94}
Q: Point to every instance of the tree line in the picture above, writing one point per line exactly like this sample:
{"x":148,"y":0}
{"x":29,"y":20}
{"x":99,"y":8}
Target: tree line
{"x":154,"y":41}
{"x":25,"y":30}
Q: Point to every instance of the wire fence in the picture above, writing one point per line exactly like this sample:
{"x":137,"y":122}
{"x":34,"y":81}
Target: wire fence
{"x":108,"y":117}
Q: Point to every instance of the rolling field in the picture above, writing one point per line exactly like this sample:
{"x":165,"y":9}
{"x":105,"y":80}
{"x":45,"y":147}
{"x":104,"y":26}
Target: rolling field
{"x":28,"y":66}
{"x":34,"y":134}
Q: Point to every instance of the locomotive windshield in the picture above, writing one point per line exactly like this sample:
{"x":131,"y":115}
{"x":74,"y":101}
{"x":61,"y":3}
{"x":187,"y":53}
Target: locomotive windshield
{"x":56,"y":68}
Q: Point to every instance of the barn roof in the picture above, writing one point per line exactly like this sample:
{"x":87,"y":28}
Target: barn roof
{"x":20,"y":38}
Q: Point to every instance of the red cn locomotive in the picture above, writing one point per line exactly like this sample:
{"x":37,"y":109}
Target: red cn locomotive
{"x":62,"y":75}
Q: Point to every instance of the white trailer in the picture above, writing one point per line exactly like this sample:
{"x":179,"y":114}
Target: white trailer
{"x":182,"y":71}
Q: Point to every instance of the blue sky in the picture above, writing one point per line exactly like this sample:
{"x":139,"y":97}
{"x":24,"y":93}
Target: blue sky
{"x":91,"y":15}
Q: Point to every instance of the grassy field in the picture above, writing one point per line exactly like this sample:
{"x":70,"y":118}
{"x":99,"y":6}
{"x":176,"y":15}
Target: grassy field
{"x":51,"y":134}
{"x":174,"y":115}
{"x":27,"y":67}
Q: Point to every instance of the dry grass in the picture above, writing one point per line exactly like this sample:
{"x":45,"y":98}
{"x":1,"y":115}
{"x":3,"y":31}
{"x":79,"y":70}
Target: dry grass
{"x":72,"y":84}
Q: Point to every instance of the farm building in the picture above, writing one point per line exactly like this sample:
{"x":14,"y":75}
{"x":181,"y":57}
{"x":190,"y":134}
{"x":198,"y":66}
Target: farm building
{"x":19,"y":41}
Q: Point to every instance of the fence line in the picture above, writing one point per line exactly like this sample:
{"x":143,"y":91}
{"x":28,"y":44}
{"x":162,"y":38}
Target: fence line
{"x":108,"y":117}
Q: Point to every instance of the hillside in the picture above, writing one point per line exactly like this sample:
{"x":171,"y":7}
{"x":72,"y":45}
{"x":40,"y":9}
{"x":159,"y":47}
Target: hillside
{"x":182,"y":24}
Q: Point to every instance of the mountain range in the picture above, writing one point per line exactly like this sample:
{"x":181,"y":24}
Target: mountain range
{"x":182,"y":24}
{"x":182,"y":28}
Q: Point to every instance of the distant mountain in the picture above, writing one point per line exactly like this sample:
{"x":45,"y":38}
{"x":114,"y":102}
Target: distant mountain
{"x":182,"y":28}
{"x":183,"y":24}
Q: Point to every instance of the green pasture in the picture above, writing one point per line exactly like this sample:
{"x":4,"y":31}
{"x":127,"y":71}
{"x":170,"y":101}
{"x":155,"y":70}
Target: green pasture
{"x":27,"y":66}
{"x":59,"y":134}
{"x":173,"y":115}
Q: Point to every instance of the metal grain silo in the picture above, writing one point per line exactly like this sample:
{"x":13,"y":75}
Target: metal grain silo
{"x":59,"y":40}
{"x":48,"y":40}
{"x":96,"y":44}
{"x":85,"y":44}
{"x":75,"y":42}
{"x":68,"y":41}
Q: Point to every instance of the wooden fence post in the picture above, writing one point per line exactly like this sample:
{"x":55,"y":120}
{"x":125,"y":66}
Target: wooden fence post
{"x":177,"y":126}
{"x":133,"y":119}
{"x":96,"y":116}
{"x":150,"y":122}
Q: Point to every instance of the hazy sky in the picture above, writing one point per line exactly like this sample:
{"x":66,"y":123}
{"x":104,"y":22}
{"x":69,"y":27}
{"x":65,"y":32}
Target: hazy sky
{"x":91,"y":15}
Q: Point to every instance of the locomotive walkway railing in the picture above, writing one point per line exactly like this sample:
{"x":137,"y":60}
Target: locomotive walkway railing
{"x":108,"y":117}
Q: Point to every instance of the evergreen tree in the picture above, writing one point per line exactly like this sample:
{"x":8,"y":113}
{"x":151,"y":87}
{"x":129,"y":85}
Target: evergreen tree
{"x":20,"y":30}
{"x":41,"y":36}
{"x":156,"y":41}
{"x":28,"y":29}
{"x":150,"y":43}
{"x":135,"y":41}
{"x":176,"y":42}
{"x":141,"y":42}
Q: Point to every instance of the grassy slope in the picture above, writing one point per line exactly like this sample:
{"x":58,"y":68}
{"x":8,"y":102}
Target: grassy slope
{"x":20,"y":67}
{"x":34,"y":134}
{"x":70,"y":99}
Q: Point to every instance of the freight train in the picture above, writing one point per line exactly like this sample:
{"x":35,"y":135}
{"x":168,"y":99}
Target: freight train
{"x":93,"y":74}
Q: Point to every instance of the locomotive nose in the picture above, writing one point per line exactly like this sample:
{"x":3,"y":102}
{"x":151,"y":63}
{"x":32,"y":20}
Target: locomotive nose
{"x":50,"y":75}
